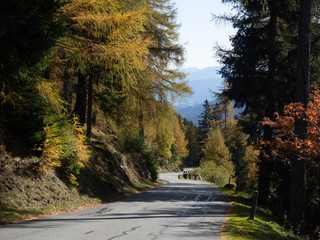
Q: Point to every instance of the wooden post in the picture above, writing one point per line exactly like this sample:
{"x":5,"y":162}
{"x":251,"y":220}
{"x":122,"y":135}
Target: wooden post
{"x":254,"y":204}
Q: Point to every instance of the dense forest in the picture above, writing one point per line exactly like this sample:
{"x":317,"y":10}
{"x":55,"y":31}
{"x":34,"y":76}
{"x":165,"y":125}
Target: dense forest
{"x":85,"y":80}
{"x":85,"y":96}
{"x":68,"y":67}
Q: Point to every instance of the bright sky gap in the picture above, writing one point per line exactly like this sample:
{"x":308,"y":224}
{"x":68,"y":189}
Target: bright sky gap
{"x":199,"y":34}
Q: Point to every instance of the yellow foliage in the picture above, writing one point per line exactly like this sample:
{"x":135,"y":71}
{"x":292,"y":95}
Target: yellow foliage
{"x":180,"y":139}
{"x":100,"y":33}
{"x":251,"y":157}
{"x":64,"y":146}
{"x":52,"y":148}
{"x":164,"y":136}
{"x":212,"y":172}
{"x":216,"y":150}
{"x":49,"y":92}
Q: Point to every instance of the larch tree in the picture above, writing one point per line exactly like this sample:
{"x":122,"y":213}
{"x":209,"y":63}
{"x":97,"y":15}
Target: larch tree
{"x":105,"y":45}
{"x":215,"y":149}
{"x":180,"y":143}
{"x":216,"y":166}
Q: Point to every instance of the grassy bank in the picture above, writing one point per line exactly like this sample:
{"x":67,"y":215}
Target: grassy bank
{"x":240,"y":227}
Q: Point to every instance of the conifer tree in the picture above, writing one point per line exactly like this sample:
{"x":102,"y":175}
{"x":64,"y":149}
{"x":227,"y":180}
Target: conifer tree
{"x":254,"y":81}
{"x":298,"y":183}
{"x":237,"y":145}
{"x":28,"y":32}
{"x":205,"y":120}
{"x":193,"y":159}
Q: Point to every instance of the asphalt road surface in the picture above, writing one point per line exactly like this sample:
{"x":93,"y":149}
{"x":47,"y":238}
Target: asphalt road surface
{"x":180,"y":209}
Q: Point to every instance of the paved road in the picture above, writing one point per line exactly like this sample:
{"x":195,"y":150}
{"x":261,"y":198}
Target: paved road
{"x":180,"y":209}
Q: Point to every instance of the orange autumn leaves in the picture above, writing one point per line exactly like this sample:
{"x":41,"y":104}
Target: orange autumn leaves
{"x":285,"y":143}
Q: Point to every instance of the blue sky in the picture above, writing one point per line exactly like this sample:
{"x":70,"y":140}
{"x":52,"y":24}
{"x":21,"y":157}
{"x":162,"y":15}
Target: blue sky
{"x":199,"y":34}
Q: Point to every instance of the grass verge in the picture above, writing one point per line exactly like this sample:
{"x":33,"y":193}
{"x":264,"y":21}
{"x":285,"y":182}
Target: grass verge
{"x":240,"y":227}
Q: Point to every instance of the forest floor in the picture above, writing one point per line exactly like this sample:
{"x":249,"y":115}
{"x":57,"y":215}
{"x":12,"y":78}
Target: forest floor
{"x":108,"y":176}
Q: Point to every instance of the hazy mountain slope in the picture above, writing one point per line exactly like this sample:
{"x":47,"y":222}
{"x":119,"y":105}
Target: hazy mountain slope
{"x":203,"y":83}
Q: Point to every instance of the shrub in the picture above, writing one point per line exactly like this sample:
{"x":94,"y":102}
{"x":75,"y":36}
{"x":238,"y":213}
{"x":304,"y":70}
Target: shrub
{"x":137,"y":144}
{"x":64,"y":148}
{"x":214,"y":173}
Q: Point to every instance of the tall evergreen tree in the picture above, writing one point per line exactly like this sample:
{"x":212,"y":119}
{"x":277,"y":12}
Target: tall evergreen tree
{"x":193,"y":159}
{"x":205,"y":120}
{"x":298,"y":174}
{"x":260,"y":78}
{"x":28,"y":30}
{"x":237,"y":144}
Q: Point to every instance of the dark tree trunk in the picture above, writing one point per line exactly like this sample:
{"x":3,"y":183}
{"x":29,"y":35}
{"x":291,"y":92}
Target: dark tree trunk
{"x":89,"y":113}
{"x":80,"y":107}
{"x":67,"y":91}
{"x":265,"y":169}
{"x":141,"y":123}
{"x":272,"y":53}
{"x":298,"y":174}
{"x":94,"y":118}
{"x":266,"y":166}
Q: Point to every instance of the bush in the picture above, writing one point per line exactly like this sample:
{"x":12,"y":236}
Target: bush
{"x":64,"y":148}
{"x":214,"y":173}
{"x":134,"y":144}
{"x":137,"y":144}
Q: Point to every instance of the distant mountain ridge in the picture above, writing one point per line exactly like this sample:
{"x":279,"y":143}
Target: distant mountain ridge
{"x":200,"y":74}
{"x":203,"y":82}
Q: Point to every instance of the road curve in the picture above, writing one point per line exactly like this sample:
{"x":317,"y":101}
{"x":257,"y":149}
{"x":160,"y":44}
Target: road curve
{"x":180,"y":209}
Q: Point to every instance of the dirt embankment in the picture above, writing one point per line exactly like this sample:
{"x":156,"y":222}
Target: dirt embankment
{"x":107,"y":176}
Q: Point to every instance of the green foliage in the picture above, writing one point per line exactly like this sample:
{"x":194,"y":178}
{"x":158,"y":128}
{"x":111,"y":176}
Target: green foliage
{"x":205,"y":120}
{"x":28,"y":30}
{"x":236,"y":141}
{"x":193,"y":159}
{"x":246,"y":68}
{"x":137,"y":145}
{"x":239,"y":227}
{"x":22,"y":109}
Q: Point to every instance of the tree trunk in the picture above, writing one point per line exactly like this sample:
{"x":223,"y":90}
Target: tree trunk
{"x":141,"y":120}
{"x":67,"y":91}
{"x":265,"y":167}
{"x":89,"y":113}
{"x":298,"y":174}
{"x":80,"y":107}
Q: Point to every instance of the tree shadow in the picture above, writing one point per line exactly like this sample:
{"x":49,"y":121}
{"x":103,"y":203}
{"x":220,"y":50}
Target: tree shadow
{"x":240,"y":225}
{"x":9,"y":215}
